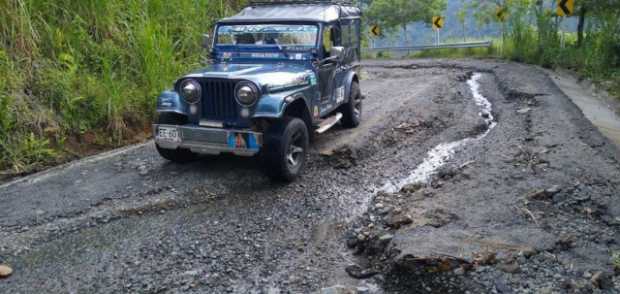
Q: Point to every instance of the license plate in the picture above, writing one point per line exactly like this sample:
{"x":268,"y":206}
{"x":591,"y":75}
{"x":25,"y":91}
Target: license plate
{"x":168,"y":134}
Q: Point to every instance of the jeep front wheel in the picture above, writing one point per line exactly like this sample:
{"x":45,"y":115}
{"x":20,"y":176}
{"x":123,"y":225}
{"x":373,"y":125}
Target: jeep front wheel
{"x":284,"y":150}
{"x":178,"y":155}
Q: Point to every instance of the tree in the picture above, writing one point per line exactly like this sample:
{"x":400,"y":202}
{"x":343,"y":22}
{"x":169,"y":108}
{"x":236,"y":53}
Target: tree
{"x":393,"y":14}
{"x":595,"y":8}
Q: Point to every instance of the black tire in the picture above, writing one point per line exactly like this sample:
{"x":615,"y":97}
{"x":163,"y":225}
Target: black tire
{"x":352,"y":110}
{"x":178,"y":155}
{"x":285,"y":148}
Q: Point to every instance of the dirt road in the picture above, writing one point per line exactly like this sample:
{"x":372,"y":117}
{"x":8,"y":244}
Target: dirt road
{"x":464,"y":176}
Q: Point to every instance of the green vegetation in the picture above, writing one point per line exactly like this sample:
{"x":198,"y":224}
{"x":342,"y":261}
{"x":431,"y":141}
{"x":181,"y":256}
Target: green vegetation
{"x":532,"y":34}
{"x":615,"y":260}
{"x":77,"y":76}
{"x":399,"y":13}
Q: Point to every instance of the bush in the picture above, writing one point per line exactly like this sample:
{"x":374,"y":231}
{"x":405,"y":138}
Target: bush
{"x":71,"y":68}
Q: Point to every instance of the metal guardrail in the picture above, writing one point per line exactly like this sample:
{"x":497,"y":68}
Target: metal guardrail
{"x":486,"y":44}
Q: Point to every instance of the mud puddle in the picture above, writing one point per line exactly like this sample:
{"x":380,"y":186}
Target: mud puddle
{"x":442,"y":153}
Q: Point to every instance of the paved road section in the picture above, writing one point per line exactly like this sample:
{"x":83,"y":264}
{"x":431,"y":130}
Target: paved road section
{"x":531,"y":205}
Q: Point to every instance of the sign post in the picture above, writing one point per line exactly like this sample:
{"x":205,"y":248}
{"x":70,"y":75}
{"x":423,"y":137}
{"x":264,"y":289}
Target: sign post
{"x":502,"y":16}
{"x":375,"y":32}
{"x":566,"y":8}
{"x":438,"y":22}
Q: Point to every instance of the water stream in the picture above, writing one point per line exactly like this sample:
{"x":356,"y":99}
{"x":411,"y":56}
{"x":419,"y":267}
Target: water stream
{"x":442,"y":153}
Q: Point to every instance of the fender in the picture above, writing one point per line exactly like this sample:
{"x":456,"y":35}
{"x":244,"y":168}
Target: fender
{"x":170,"y":101}
{"x":275,"y":105}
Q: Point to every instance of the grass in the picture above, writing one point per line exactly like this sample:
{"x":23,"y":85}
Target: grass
{"x":615,"y":260}
{"x":83,"y":75}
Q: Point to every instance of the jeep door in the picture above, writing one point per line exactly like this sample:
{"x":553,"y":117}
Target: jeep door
{"x":327,"y":71}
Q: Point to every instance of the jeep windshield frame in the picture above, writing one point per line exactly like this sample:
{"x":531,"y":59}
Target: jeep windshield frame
{"x":282,"y":35}
{"x":252,"y":53}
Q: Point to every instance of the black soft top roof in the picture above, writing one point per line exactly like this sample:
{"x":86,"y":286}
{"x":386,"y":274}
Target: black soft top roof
{"x":294,"y":12}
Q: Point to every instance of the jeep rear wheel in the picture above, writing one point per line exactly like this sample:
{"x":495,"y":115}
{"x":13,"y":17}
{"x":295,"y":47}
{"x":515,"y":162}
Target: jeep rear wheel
{"x":178,"y":155}
{"x":352,"y":110}
{"x":285,"y":149}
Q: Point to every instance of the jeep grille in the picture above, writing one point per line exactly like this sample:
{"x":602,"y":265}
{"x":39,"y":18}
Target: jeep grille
{"x":218,"y":100}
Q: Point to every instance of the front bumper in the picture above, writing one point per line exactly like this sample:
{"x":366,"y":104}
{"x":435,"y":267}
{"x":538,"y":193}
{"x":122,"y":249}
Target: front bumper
{"x":211,"y":141}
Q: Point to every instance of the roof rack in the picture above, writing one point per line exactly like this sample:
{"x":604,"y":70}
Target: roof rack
{"x":279,"y":2}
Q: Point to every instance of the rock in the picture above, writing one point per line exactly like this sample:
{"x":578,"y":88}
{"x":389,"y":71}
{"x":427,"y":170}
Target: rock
{"x":352,"y":242}
{"x":5,"y":271}
{"x":395,"y":220}
{"x":143,"y":170}
{"x":459,"y":271}
{"x":338,"y":289}
{"x":510,"y":267}
{"x":411,"y":188}
{"x":602,"y":280}
{"x":545,"y":290}
{"x":544,"y":194}
{"x":566,"y":242}
{"x":485,"y":258}
{"x":524,"y":110}
{"x":438,"y":217}
{"x":529,"y":252}
{"x":385,"y":211}
{"x":555,"y":189}
{"x":377,"y":245}
{"x":357,"y":272}
{"x":502,"y":287}
{"x":386,"y":238}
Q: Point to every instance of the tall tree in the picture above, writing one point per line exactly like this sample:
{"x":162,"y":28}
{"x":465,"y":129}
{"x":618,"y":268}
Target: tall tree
{"x":393,"y":14}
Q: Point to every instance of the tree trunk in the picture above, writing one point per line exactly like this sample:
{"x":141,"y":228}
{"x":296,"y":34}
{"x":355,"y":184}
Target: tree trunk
{"x":581,"y":25}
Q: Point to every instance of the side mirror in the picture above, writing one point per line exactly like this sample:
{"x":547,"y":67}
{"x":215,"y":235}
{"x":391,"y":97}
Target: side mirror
{"x":206,"y":41}
{"x":337,"y":53}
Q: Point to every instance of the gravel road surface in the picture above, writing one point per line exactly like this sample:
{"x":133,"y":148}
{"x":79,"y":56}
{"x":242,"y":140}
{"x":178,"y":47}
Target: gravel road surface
{"x":465,"y":176}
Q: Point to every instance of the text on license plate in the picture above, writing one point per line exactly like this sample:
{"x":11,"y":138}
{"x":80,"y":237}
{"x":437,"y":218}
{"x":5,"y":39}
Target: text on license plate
{"x":168,"y":134}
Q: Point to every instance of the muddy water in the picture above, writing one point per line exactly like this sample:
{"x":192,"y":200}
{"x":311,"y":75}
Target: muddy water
{"x":442,"y":153}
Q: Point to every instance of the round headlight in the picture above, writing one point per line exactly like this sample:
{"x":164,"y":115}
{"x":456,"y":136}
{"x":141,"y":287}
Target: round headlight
{"x":246,"y":93}
{"x":191,"y":91}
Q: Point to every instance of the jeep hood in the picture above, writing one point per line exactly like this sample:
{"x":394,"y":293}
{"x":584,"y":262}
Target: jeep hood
{"x":273,"y":77}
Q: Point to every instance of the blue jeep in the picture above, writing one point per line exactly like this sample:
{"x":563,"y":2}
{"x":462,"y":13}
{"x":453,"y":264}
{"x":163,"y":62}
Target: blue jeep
{"x":279,"y":72}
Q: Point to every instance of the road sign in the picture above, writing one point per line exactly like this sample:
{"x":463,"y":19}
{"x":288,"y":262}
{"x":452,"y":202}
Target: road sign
{"x":438,"y":22}
{"x":502,"y":14}
{"x":566,"y":7}
{"x":375,"y":31}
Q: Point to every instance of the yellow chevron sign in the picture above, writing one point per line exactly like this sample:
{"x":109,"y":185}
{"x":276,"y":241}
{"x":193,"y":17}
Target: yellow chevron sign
{"x":502,"y":14}
{"x":566,"y":7}
{"x":438,"y":22}
{"x":375,"y":31}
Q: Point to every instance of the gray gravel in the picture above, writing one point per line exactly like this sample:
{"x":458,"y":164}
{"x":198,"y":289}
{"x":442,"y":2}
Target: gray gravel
{"x":530,"y":208}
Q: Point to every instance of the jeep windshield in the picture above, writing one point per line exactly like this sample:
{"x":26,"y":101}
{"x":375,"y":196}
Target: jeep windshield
{"x":291,"y":37}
